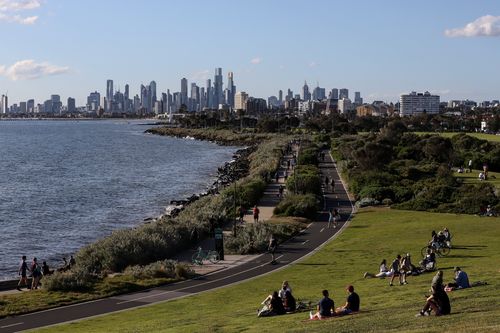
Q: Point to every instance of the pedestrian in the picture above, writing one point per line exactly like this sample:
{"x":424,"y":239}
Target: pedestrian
{"x":330,"y":217}
{"x":326,"y":182}
{"x":336,"y":217}
{"x":277,"y":176}
{"x":256,"y":213}
{"x":288,"y":164}
{"x":36,"y":272}
{"x":72,"y":261}
{"x":273,"y":244}
{"x":23,"y":272}
{"x":241,"y":213}
{"x":470,"y":166}
{"x":332,"y":183}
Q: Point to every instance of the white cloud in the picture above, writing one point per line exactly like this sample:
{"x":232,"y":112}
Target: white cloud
{"x":18,"y":19}
{"x":29,"y":70}
{"x":256,"y":61}
{"x":9,"y":7}
{"x":487,"y":25}
{"x":313,"y":64}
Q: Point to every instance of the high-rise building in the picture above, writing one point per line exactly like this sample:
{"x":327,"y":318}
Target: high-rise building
{"x":289,"y":95}
{"x":306,"y":95}
{"x":71,"y":105}
{"x":30,"y":106}
{"x":93,"y":101}
{"x":184,"y":91}
{"x":417,"y":103}
{"x":318,"y":93}
{"x":152,"y":95}
{"x":210,"y":95}
{"x":280,"y":96}
{"x":231,"y":90}
{"x":195,"y":98}
{"x":334,"y":94}
{"x":4,"y":105}
{"x":109,"y":90}
{"x":56,"y":103}
{"x":344,"y":105}
{"x":240,"y":100}
{"x":22,"y":107}
{"x":218,"y":90}
{"x":357,"y":98}
{"x":343,"y":93}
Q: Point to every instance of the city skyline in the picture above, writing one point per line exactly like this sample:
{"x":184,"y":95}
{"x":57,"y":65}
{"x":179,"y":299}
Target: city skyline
{"x":449,"y":48}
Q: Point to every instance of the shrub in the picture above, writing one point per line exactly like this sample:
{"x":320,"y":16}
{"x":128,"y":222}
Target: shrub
{"x":250,"y":192}
{"x":365,"y":202}
{"x":254,"y":238}
{"x":77,"y":279}
{"x":302,"y":205}
{"x":305,"y":179}
{"x":308,"y":156}
{"x":159,"y":269}
{"x":376,"y":192}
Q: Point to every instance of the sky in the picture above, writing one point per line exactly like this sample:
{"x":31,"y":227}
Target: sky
{"x":380,"y":48}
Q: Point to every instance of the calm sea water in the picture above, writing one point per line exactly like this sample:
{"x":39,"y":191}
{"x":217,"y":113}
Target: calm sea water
{"x":64,"y":184}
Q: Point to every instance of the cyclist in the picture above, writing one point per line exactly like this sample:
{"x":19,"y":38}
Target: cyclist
{"x":447,"y":236}
{"x":434,"y":242}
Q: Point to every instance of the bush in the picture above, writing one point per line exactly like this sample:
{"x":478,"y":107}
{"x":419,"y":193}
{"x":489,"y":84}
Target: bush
{"x":308,"y":156}
{"x":250,"y":192}
{"x":254,"y":238}
{"x":305,"y":179}
{"x":377,"y":192}
{"x":77,"y":279}
{"x":302,"y":205}
{"x":159,"y":269}
{"x":365,"y":202}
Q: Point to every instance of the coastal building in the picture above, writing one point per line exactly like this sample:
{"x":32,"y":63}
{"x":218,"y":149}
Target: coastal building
{"x":218,"y":90}
{"x":240,"y":100}
{"x":30,"y":106}
{"x":184,"y":91}
{"x":109,"y":90}
{"x":417,"y":103}
{"x":4,"y":104}
{"x":93,"y":101}
{"x":23,"y":107}
{"x":71,"y":105}
{"x":231,"y":90}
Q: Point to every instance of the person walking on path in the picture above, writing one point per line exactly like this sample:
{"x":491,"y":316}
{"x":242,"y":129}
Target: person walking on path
{"x":273,"y":244}
{"x":241,"y":213}
{"x":23,"y":272}
{"x":256,"y":213}
{"x":336,"y":217}
{"x":332,"y":183}
{"x":330,"y":217}
{"x":36,"y":272}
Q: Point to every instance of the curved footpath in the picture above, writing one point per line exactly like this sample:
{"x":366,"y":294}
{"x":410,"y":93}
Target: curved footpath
{"x":306,"y":243}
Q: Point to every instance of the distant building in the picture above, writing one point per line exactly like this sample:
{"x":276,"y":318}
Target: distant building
{"x":184,"y":91}
{"x":334,"y":94}
{"x":240,"y":100}
{"x":417,"y":103}
{"x":306,"y":95}
{"x":30,"y":106}
{"x":218,"y":91}
{"x":256,"y":105}
{"x":357,"y":98}
{"x":273,"y":102}
{"x":93,"y":101}
{"x":4,"y":104}
{"x":109,"y":90}
{"x":343,"y":93}
{"x":344,"y":105}
{"x":23,"y":107}
{"x":71,"y":105}
{"x":375,"y":110}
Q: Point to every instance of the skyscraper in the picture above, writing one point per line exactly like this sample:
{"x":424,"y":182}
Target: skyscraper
{"x":306,"y":95}
{"x":4,"y":105}
{"x":231,"y":88}
{"x":357,"y":98}
{"x":210,"y":94}
{"x":280,"y":97}
{"x":152,"y":95}
{"x":184,"y":91}
{"x":343,"y":93}
{"x":334,"y":94}
{"x":30,"y":106}
{"x":71,"y":105}
{"x":218,"y":91}
{"x":109,"y":90}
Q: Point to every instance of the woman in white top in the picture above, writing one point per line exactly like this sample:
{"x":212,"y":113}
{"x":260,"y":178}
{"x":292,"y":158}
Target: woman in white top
{"x":383,"y":271}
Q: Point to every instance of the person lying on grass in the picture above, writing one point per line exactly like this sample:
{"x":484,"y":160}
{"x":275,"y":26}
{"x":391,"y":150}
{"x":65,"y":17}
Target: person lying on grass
{"x":351,"y":305}
{"x":326,"y":307}
{"x":383,"y":271}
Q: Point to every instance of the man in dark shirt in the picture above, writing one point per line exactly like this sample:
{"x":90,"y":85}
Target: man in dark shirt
{"x":23,"y":268}
{"x":326,"y":308}
{"x":352,"y":304}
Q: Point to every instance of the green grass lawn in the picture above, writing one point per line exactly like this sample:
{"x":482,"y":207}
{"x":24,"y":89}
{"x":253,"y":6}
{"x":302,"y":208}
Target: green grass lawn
{"x":373,"y":234}
{"x":482,"y":136}
{"x":473,"y":177}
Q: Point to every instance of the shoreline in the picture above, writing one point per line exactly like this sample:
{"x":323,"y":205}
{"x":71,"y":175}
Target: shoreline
{"x":227,"y":172}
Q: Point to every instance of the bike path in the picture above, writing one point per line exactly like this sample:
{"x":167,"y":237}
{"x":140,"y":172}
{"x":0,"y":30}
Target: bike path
{"x":307,"y":242}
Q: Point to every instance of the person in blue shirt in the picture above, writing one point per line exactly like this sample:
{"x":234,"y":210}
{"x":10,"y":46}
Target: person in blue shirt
{"x":326,"y":307}
{"x":461,"y":280}
{"x":352,"y":303}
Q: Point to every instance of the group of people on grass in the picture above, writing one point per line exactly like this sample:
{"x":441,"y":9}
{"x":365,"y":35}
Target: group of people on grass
{"x":37,"y":271}
{"x":326,"y":306}
{"x":282,"y":302}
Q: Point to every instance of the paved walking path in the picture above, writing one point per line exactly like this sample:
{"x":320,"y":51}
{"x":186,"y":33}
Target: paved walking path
{"x":307,"y":242}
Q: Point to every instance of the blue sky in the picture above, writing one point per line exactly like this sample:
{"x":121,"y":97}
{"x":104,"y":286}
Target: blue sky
{"x":381,"y":48}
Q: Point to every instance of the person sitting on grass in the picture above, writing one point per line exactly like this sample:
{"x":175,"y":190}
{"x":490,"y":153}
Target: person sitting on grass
{"x":351,"y":305}
{"x":383,"y":271}
{"x":326,"y":308}
{"x":461,"y":280}
{"x":290,"y":304}
{"x":429,"y":262}
{"x":284,"y":288}
{"x":396,"y":271}
{"x":276,"y":305}
{"x":438,"y":301}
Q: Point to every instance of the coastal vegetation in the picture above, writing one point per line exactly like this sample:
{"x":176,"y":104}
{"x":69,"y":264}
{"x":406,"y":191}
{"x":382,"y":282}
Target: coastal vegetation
{"x":360,"y":248}
{"x":410,"y":171}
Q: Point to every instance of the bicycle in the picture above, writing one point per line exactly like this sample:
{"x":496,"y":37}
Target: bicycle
{"x":201,"y":255}
{"x":442,"y":251}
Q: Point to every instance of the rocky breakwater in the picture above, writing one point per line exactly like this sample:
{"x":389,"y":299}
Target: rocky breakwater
{"x":227,"y":174}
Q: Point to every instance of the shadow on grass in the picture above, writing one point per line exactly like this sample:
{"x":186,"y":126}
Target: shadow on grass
{"x":464,"y":256}
{"x":358,"y":226}
{"x":312,"y":264}
{"x":469,"y":247}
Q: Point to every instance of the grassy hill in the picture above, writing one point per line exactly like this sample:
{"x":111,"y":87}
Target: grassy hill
{"x":375,"y":233}
{"x":482,"y":136}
